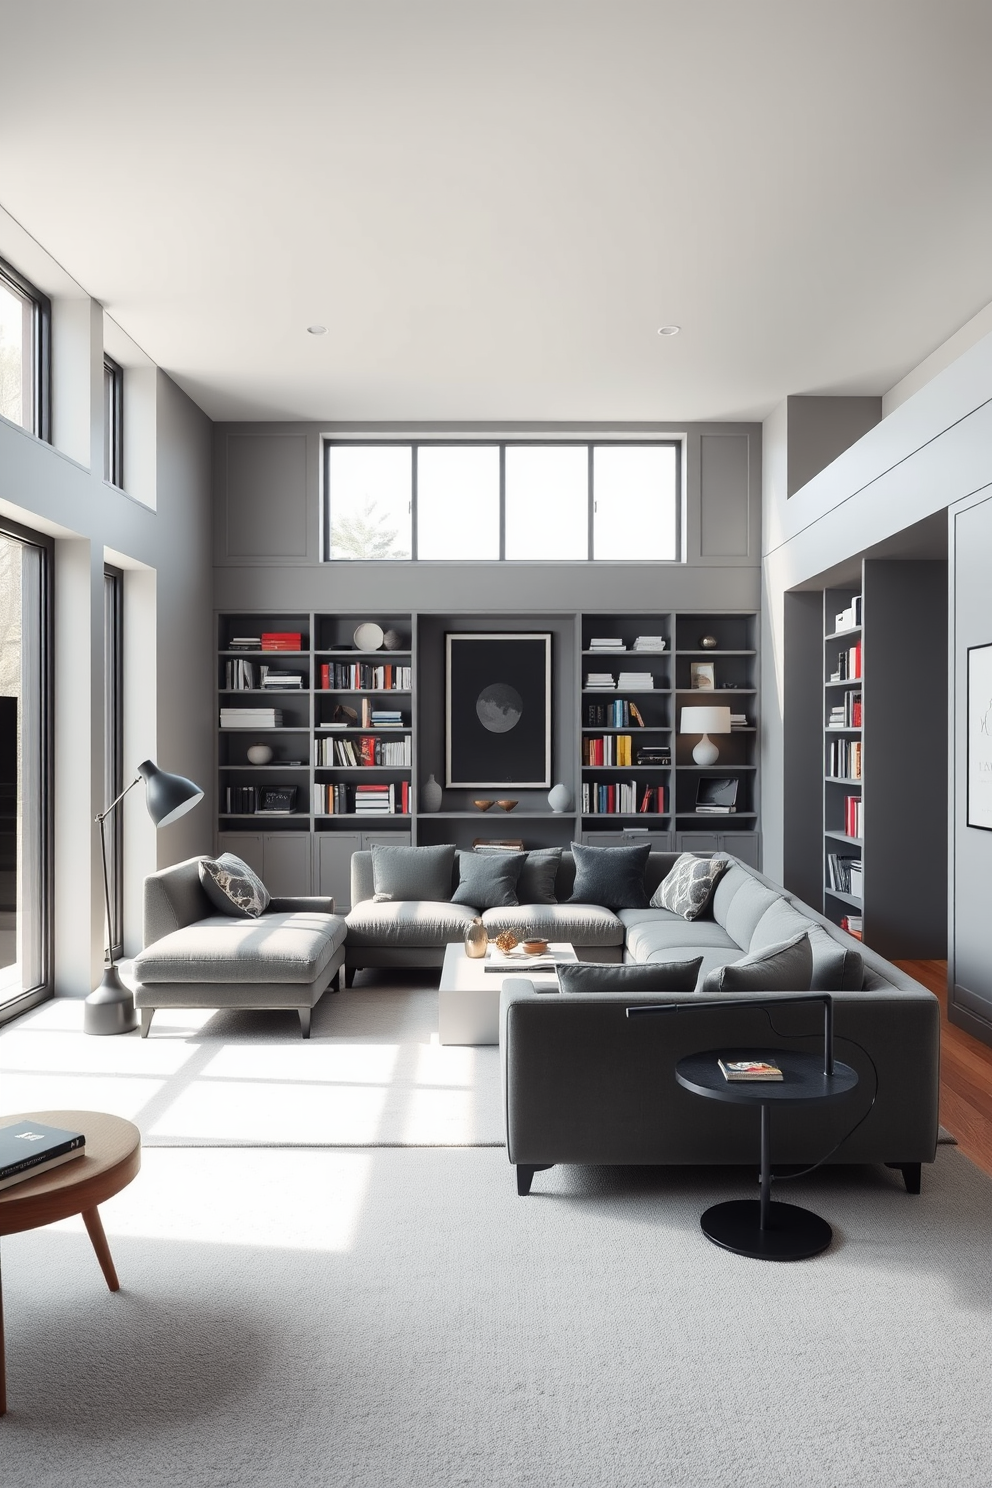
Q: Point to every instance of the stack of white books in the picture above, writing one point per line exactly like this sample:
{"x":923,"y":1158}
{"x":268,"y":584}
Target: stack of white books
{"x":738,"y":721}
{"x":606,"y":643}
{"x":280,"y":679}
{"x":601,"y":679}
{"x":250,"y":718}
{"x":649,"y":643}
{"x":635,"y":682}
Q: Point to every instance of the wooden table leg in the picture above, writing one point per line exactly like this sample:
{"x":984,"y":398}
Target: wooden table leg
{"x":94,"y":1226}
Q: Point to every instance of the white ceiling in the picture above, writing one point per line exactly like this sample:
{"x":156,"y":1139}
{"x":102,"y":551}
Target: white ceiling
{"x":493,"y":204}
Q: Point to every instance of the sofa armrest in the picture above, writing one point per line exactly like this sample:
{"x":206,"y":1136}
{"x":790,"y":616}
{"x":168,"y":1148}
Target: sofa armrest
{"x":290,"y":903}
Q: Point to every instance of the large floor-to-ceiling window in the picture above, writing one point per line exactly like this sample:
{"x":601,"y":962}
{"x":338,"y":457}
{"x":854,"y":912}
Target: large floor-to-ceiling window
{"x":25,"y":795}
{"x":113,"y":749}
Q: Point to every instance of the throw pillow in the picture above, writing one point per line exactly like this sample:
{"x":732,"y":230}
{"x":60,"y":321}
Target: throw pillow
{"x":488,"y":881}
{"x":233,"y":887}
{"x":411,"y":873}
{"x":610,"y":876}
{"x":688,"y":886}
{"x":782,"y":968}
{"x":601,"y":976}
{"x":536,"y":884}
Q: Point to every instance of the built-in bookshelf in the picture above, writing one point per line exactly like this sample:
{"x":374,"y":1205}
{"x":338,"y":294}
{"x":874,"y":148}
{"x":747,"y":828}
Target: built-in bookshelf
{"x":884,"y":759}
{"x":351,"y":706}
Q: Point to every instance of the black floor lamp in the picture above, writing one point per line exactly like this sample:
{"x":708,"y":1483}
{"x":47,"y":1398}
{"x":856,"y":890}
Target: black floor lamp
{"x":110,"y":1008}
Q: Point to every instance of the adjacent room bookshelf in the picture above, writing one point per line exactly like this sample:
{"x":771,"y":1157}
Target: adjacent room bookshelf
{"x":884,"y":756}
{"x":355,"y":728}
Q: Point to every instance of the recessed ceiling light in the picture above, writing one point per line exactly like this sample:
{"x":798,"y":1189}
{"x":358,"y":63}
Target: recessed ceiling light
{"x":316,"y":330}
{"x":669,"y":330}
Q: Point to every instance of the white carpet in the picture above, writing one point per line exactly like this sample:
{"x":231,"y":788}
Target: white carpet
{"x":372,"y":1073}
{"x":400,"y":1319}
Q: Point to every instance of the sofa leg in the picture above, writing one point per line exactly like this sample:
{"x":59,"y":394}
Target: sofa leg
{"x":147,"y":1014}
{"x":525,"y":1175}
{"x":342,"y":978}
{"x":349,"y":975}
{"x":305,"y":1015}
{"x":912,"y":1175}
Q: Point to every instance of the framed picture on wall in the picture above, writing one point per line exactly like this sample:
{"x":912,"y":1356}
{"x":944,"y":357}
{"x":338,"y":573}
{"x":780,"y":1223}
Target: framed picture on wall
{"x":498,"y":710}
{"x":980,"y":737}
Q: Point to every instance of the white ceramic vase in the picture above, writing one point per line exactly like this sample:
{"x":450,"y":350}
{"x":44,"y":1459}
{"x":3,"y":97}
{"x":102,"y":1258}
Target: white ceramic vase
{"x":259,"y":754}
{"x":560,"y":798}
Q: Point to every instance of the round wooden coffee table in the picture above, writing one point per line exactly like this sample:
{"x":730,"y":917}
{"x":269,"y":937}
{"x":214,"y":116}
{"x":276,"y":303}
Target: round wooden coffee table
{"x":113,"y":1157}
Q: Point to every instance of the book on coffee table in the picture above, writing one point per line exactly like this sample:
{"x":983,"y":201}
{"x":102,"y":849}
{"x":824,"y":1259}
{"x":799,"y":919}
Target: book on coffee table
{"x":749,"y":1069}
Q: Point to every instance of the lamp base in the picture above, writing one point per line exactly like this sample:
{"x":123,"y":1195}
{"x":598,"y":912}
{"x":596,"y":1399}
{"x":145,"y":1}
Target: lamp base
{"x":110,"y":1008}
{"x":706,"y":752}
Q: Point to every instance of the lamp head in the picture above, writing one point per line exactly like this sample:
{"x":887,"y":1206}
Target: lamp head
{"x":167,"y":797}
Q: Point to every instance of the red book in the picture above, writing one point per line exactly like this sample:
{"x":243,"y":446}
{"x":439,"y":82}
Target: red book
{"x":325,"y":675}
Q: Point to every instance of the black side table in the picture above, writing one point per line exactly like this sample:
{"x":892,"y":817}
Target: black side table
{"x":758,"y":1227}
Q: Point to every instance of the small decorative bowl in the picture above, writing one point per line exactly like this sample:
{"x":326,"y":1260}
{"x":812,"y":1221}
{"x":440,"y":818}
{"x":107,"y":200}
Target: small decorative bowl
{"x":507,"y":805}
{"x":482,"y":805}
{"x":535,"y":947}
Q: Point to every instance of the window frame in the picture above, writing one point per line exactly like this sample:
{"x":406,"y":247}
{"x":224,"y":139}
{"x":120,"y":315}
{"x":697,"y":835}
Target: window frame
{"x":590,"y":442}
{"x":113,"y":422}
{"x":41,"y":369}
{"x":113,"y":746}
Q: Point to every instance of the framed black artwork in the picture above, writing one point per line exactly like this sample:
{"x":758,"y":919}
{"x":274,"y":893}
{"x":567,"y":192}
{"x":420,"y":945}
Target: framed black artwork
{"x":498,"y":710}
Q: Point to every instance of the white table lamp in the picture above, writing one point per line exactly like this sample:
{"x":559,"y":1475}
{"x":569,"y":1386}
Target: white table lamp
{"x":705,"y":721}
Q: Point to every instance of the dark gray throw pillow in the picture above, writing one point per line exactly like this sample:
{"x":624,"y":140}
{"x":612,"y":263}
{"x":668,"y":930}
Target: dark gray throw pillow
{"x":233,"y":887}
{"x":536,"y":884}
{"x":782,"y":968}
{"x":687,"y":887}
{"x":488,"y":880}
{"x":411,"y":873}
{"x":610,"y":876}
{"x":657,"y":976}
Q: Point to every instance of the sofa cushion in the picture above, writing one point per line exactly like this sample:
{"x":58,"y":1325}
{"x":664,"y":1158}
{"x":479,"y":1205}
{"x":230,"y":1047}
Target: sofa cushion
{"x":744,"y":909}
{"x":836,"y":967}
{"x":487,"y":881}
{"x":666,"y":976}
{"x":611,"y":876}
{"x":293,"y":947}
{"x":413,"y":922}
{"x":536,"y":884}
{"x":649,"y":937}
{"x":233,"y":887}
{"x":578,"y":924}
{"x":421,"y":873}
{"x":688,"y":888}
{"x":778,"y":968}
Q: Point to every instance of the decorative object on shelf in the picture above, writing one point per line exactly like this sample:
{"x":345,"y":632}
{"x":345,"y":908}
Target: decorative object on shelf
{"x":560,"y":798}
{"x":498,"y":709}
{"x":279,"y":799}
{"x":476,"y":939}
{"x":393,"y":641}
{"x":507,"y":805}
{"x":707,"y":643}
{"x":705,"y":721}
{"x":110,"y":1007}
{"x":702,"y":676}
{"x":259,"y":754}
{"x":980,"y":737}
{"x":430,"y":795}
{"x":369,"y":636}
{"x":483,"y":805}
{"x":506,"y":941}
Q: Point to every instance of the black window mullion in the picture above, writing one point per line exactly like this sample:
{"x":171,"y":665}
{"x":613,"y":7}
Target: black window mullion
{"x":502,"y":501}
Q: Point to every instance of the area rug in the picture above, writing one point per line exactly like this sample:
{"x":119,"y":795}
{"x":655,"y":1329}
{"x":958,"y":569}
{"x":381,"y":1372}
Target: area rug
{"x":372,"y":1074}
{"x":400,"y":1319}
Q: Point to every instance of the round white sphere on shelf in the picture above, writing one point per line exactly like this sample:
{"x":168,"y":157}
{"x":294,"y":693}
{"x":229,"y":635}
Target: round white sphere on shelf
{"x":259,"y":754}
{"x":560,"y":798}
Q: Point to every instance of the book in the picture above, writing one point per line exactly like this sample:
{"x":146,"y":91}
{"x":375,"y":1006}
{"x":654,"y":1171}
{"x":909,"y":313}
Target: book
{"x":28,"y":1148}
{"x":749,"y":1069}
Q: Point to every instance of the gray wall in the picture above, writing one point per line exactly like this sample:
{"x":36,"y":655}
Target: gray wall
{"x":820,"y":429}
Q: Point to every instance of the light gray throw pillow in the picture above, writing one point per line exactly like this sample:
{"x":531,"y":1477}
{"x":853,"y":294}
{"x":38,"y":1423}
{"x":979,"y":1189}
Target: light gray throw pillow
{"x":488,"y":881}
{"x":688,"y":886}
{"x":411,"y":873}
{"x":536,"y":884}
{"x":233,"y":887}
{"x":781,"y":968}
{"x":602,"y":976}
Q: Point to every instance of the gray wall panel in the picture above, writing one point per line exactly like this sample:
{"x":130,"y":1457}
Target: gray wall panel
{"x":266,"y":496}
{"x":724,"y":496}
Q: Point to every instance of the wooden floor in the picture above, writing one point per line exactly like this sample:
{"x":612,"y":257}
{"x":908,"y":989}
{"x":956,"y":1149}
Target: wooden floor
{"x":965,"y":1073}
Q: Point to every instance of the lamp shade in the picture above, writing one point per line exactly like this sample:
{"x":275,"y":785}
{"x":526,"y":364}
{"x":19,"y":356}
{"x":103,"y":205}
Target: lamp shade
{"x":169,"y":797}
{"x":705,"y":721}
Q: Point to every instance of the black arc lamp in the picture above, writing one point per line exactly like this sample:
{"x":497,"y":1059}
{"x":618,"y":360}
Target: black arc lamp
{"x":110,"y":1007}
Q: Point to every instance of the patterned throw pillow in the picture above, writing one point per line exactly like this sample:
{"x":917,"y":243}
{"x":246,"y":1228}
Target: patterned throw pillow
{"x":688,"y":887}
{"x":233,"y":887}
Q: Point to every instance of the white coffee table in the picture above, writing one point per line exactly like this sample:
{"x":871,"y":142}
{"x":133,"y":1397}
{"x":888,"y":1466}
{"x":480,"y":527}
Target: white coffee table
{"x":468,"y":995}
